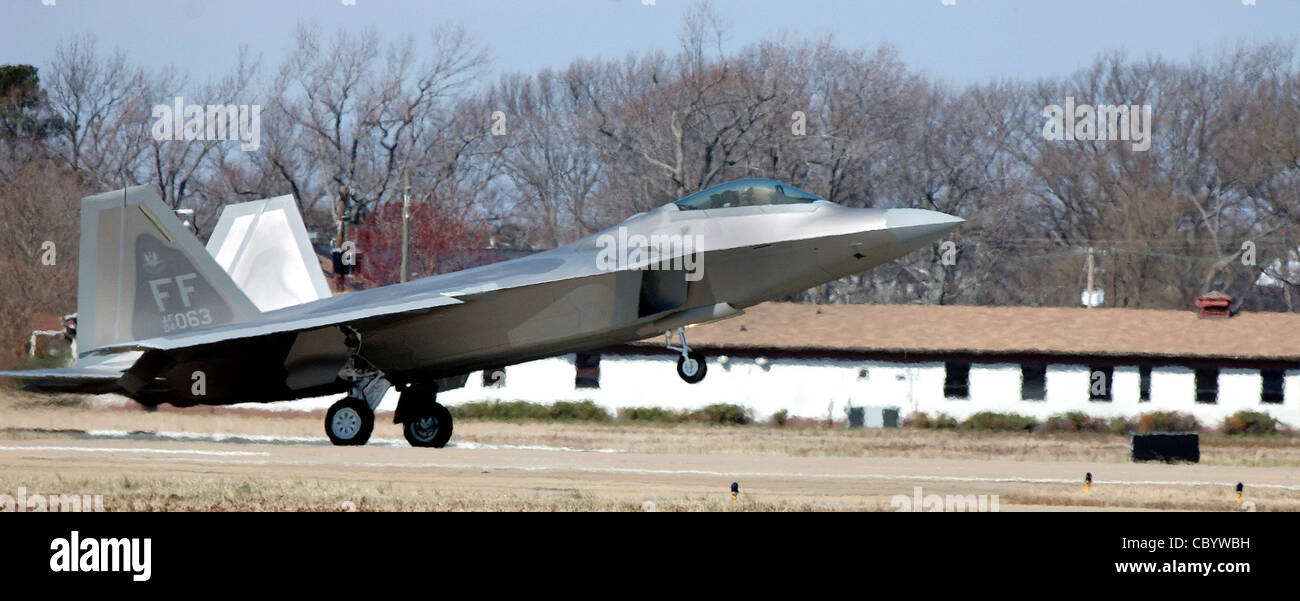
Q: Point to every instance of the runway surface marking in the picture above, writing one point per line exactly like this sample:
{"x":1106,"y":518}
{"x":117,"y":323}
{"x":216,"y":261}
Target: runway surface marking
{"x":297,"y":440}
{"x":138,"y":450}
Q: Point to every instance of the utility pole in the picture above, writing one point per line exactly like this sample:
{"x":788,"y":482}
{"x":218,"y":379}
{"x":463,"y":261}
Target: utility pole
{"x":406,"y":216}
{"x":1287,"y":254}
{"x":340,"y":216}
{"x":1091,"y":266}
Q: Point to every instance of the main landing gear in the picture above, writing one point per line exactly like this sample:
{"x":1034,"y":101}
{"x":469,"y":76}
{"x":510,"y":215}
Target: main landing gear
{"x":351,"y":420}
{"x":425,"y":423}
{"x":690,"y":366}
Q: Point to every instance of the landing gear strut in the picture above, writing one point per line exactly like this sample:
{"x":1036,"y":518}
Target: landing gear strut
{"x":351,"y":420}
{"x":690,"y":366}
{"x":425,"y":423}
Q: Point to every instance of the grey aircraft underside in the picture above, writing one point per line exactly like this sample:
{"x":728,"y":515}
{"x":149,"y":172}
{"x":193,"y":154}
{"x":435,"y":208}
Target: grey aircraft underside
{"x":162,"y":320}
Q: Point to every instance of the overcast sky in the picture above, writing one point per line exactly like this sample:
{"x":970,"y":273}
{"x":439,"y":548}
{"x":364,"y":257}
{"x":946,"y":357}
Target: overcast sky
{"x":970,"y":41}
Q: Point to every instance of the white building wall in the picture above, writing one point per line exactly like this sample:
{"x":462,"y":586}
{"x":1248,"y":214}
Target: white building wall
{"x":1291,"y":389}
{"x":925,"y":385}
{"x":813,"y":389}
{"x":1290,"y":406}
{"x":818,"y":388}
{"x":1067,"y":390}
{"x":993,"y":387}
{"x":1126,"y":390}
{"x":1239,"y":390}
{"x":1172,"y":389}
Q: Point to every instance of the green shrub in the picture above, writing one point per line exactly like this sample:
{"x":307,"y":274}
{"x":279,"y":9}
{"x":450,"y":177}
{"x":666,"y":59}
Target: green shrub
{"x":588,"y":411}
{"x":943,"y":421}
{"x":1249,"y":422}
{"x":1167,"y":421}
{"x":999,"y":422}
{"x":916,"y":419}
{"x":657,"y":415}
{"x":722,"y":413}
{"x":580,"y":411}
{"x":1078,"y":421}
{"x":507,"y":410}
{"x":1121,"y":425}
{"x":524,"y":410}
{"x":1073,"y":421}
{"x":780,"y":417}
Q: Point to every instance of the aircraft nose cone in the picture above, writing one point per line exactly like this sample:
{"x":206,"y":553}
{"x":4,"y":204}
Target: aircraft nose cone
{"x":918,"y":227}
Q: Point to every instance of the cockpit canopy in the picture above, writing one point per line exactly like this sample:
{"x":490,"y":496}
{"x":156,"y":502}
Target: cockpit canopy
{"x":746,"y":193}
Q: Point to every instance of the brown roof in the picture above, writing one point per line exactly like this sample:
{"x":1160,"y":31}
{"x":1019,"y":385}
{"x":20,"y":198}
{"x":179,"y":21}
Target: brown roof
{"x":46,"y":321}
{"x":1004,"y":330}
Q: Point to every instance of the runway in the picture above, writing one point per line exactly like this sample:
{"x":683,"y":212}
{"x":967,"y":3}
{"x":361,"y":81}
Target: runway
{"x":843,"y":482}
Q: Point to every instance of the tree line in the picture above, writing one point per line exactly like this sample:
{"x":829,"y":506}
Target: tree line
{"x":535,"y":160}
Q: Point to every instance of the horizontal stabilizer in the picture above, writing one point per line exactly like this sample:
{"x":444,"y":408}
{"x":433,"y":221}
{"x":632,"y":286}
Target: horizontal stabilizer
{"x":93,"y":375}
{"x":67,"y":379}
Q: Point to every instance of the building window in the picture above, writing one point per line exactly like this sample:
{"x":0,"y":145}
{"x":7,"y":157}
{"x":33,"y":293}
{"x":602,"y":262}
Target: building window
{"x":587,"y":370}
{"x":1207,"y":385}
{"x":494,"y":378}
{"x":1274,"y":381}
{"x":956,"y":380}
{"x":1144,"y":384}
{"x":1099,"y":382}
{"x":1033,"y":382}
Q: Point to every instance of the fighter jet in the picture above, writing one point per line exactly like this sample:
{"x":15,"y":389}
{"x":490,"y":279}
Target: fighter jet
{"x":162,"y":320}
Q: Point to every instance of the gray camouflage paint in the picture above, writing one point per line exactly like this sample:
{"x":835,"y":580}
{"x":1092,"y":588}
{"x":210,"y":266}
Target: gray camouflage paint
{"x":541,"y":305}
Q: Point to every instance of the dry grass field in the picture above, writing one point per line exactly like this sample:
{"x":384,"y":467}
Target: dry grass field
{"x":539,"y":466}
{"x":22,"y":413}
{"x":264,"y":493}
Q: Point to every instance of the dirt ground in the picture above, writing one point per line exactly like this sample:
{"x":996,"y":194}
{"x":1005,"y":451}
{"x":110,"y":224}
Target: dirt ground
{"x":201,"y":459}
{"x":202,"y":475}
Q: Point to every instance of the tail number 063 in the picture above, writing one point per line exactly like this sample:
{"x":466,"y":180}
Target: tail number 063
{"x":189,"y":319}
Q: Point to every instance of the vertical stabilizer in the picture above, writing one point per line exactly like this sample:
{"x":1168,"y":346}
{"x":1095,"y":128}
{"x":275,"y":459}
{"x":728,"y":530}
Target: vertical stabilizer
{"x":264,"y":247}
{"x":143,"y":274}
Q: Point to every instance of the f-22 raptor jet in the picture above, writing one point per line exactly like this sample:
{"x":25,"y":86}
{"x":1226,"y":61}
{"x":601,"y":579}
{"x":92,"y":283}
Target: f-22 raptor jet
{"x":161,"y":319}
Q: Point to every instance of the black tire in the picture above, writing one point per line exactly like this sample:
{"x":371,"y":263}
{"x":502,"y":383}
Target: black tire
{"x":700,"y":367}
{"x":349,"y":422}
{"x":415,"y":400}
{"x":431,"y":427}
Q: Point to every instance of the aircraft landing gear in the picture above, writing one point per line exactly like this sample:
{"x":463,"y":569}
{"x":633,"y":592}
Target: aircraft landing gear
{"x":425,"y":423}
{"x":349,"y":422}
{"x":690,"y":366}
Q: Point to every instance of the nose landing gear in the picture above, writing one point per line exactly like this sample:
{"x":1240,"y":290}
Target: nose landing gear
{"x":690,"y":366}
